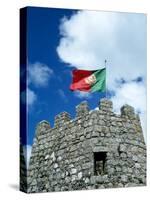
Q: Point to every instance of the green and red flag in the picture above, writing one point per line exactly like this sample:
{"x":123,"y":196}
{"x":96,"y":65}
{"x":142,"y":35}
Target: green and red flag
{"x":89,"y":81}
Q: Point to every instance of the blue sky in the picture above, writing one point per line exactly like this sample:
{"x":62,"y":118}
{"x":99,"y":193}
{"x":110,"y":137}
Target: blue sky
{"x":52,"y":96}
{"x":59,"y":40}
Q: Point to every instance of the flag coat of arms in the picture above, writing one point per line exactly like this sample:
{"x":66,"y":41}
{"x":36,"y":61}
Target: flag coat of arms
{"x":89,"y":81}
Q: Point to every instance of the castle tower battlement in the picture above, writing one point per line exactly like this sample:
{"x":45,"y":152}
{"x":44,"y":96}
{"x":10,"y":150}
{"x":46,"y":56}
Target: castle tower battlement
{"x":96,"y":149}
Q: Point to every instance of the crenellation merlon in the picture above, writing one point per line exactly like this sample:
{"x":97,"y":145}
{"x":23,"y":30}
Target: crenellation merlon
{"x":61,"y":118}
{"x":82,"y":109}
{"x":42,"y":127}
{"x":105,"y":105}
{"x":128,"y":112}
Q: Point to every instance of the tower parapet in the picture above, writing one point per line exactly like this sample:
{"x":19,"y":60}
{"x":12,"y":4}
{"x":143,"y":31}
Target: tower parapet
{"x":97,"y":149}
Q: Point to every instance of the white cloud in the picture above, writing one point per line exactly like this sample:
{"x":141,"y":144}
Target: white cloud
{"x":90,"y":37}
{"x":27,"y":153}
{"x":31,"y":97}
{"x":82,"y":95}
{"x":97,"y":108}
{"x":39,"y":74}
{"x":28,"y":97}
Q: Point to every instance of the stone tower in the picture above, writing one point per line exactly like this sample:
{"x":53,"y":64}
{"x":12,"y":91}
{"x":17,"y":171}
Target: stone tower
{"x":97,"y":149}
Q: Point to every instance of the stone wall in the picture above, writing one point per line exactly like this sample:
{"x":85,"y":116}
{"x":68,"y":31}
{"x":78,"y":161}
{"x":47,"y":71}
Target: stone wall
{"x":23,"y":171}
{"x":97,"y":149}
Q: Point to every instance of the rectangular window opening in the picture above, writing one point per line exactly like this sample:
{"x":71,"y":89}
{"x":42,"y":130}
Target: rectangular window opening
{"x":99,"y":163}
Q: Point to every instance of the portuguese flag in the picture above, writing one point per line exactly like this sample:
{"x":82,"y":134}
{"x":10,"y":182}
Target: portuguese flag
{"x":89,"y":81}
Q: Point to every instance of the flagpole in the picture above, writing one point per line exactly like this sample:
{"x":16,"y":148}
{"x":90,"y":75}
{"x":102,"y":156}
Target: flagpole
{"x":106,"y":78}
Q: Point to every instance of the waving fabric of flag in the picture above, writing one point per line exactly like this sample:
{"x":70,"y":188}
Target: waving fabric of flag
{"x":89,"y":81}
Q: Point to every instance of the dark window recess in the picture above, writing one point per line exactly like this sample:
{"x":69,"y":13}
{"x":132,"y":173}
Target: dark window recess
{"x":99,"y":163}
